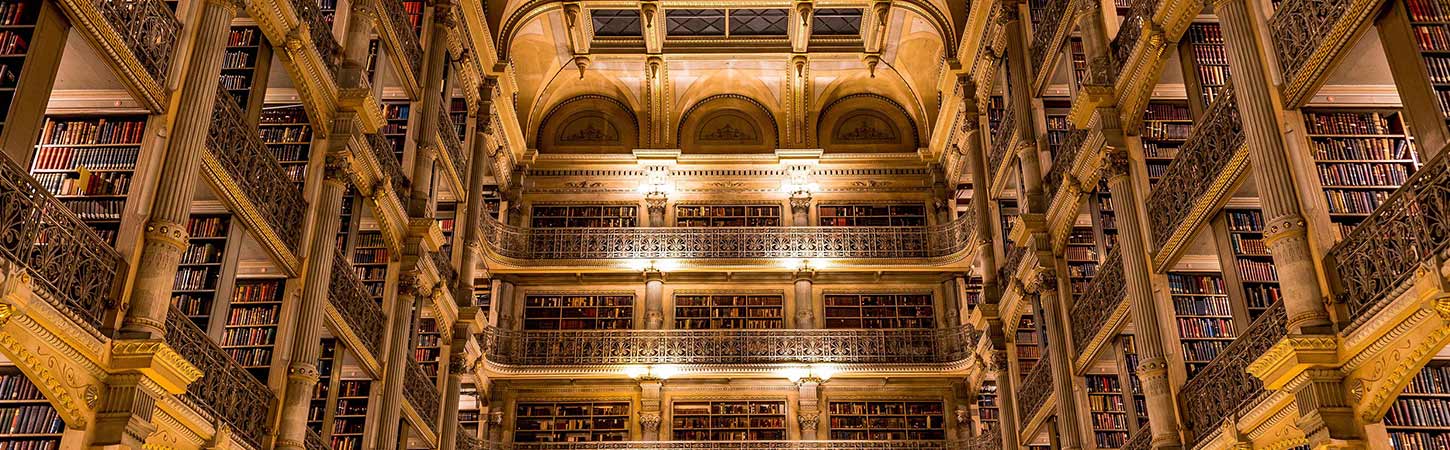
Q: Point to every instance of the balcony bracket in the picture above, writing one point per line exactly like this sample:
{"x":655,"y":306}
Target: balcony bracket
{"x":1293,"y":355}
{"x":156,"y":360}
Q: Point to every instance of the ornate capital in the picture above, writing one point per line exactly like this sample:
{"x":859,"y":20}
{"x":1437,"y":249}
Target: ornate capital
{"x":170,"y":234}
{"x":800,"y":201}
{"x":650,"y":421}
{"x":305,"y":372}
{"x":1008,"y":13}
{"x":656,"y":201}
{"x":337,"y":168}
{"x":1116,"y":163}
{"x":809,"y":420}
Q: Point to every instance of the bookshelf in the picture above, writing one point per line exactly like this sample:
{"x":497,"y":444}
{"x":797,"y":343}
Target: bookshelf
{"x":887,"y":420}
{"x":1079,"y":61}
{"x":370,"y":261}
{"x":1423,"y":33}
{"x":1006,"y":211}
{"x":198,"y":276}
{"x":729,"y":311}
{"x":329,"y":11}
{"x":1058,"y":127}
{"x":902,"y":215}
{"x":349,"y":420}
{"x":727,"y":215}
{"x":1129,"y":360}
{"x":1105,"y":220}
{"x":317,"y":406}
{"x":571,"y":421}
{"x":1204,"y":319}
{"x":1029,"y":345}
{"x":1082,"y":256}
{"x":885,"y":310}
{"x":1361,"y":157}
{"x":578,"y":312}
{"x":288,"y":135}
{"x":1416,"y":420}
{"x":373,"y":47}
{"x":447,"y":215}
{"x":246,"y":61}
{"x":395,"y":127}
{"x":1166,"y":125}
{"x":87,"y":162}
{"x":429,"y":347}
{"x":753,"y":420}
{"x":584,"y":216}
{"x":1107,"y":409}
{"x":1242,"y":248}
{"x":251,"y":327}
{"x":32,"y":423}
{"x":972,"y":292}
{"x":25,"y":26}
{"x":987,"y":412}
{"x":458,"y":115}
{"x":414,"y":10}
{"x":348,"y":226}
{"x":468,"y":420}
{"x":1204,"y":44}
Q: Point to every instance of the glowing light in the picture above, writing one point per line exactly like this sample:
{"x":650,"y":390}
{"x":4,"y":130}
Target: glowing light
{"x":636,"y":372}
{"x":794,"y":374}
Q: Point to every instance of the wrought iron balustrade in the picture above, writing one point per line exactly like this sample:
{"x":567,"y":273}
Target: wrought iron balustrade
{"x":1036,"y":388}
{"x":551,"y":348}
{"x":989,"y":439}
{"x":932,"y":241}
{"x":1404,"y":233}
{"x":320,"y":31}
{"x":1130,"y":31}
{"x":465,"y":441}
{"x":149,"y":29}
{"x":420,"y":391}
{"x":1298,"y":28}
{"x":1090,"y":313}
{"x":239,"y":149}
{"x":444,"y":264}
{"x":737,"y":445}
{"x":1001,"y":143}
{"x":225,"y":390}
{"x":1207,"y":153}
{"x":1063,"y":161}
{"x":407,"y":39}
{"x":1225,"y":386}
{"x":356,"y":305}
{"x":1049,"y":18}
{"x":315,"y":442}
{"x":1142,"y":440}
{"x":388,"y":161}
{"x":451,"y":143}
{"x":77,"y":272}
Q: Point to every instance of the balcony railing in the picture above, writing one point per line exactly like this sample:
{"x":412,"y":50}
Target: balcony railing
{"x":148,"y":28}
{"x":989,"y":439}
{"x":553,"y":348}
{"x":736,"y":445}
{"x":1130,"y":31}
{"x":392,"y":170}
{"x":1049,"y":19}
{"x":1001,"y":143}
{"x":421,"y":392}
{"x":1408,"y":231}
{"x":321,"y":32}
{"x":1036,"y":388}
{"x":407,"y":39}
{"x":1091,"y":312}
{"x":1225,"y":386}
{"x":1062,"y":162}
{"x":225,"y":390}
{"x":1211,"y":146}
{"x":315,"y":442}
{"x":933,"y":241}
{"x":357,"y":307}
{"x":1142,"y":440}
{"x":77,"y":270}
{"x":239,"y":149}
{"x":452,"y":144}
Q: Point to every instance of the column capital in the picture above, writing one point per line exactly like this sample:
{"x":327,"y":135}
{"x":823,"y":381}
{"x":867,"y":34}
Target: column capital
{"x":1116,"y":163}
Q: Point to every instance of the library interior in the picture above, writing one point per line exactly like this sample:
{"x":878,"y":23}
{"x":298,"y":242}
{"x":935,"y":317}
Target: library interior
{"x":724,"y":224}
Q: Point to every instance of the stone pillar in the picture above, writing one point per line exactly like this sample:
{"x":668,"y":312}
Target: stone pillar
{"x":165,"y":236}
{"x":421,"y":202}
{"x":655,"y":203}
{"x":649,"y":404}
{"x":1050,"y":302}
{"x":504,"y":305}
{"x":453,"y":388}
{"x":808,"y":413}
{"x":654,"y":299}
{"x":800,"y":210}
{"x":1148,"y":329}
{"x":1018,"y":85}
{"x":951,"y":302}
{"x":1006,"y":389}
{"x":302,"y":372}
{"x":805,"y":299}
{"x":400,"y":336}
{"x":494,"y":419}
{"x":354,"y":71}
{"x":473,"y":201}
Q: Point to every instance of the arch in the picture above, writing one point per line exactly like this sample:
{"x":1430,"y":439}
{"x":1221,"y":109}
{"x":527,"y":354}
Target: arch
{"x":588,"y":123}
{"x":864,"y":123}
{"x":728,"y":123}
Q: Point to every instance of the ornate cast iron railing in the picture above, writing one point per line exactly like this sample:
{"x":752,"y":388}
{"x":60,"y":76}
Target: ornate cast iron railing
{"x":1406,"y":232}
{"x":225,"y":389}
{"x":76,"y":269}
{"x":422,"y":393}
{"x":1036,"y":388}
{"x":1130,"y":31}
{"x":549,"y":348}
{"x":989,"y":439}
{"x":1049,"y":19}
{"x":239,"y":149}
{"x":1223,"y":387}
{"x":315,"y":442}
{"x":1091,"y":312}
{"x":320,"y":31}
{"x":737,"y":445}
{"x":149,"y":29}
{"x":465,"y":441}
{"x":451,"y":143}
{"x":407,"y":39}
{"x":1210,"y":147}
{"x":357,"y":307}
{"x":1298,"y":28}
{"x":1063,"y":161}
{"x":1142,"y":440}
{"x":1001,"y":142}
{"x":392,"y":170}
{"x":933,"y":241}
{"x":444,"y":264}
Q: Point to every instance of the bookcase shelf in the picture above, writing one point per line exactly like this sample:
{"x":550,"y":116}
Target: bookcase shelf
{"x":373,"y":48}
{"x":468,"y":419}
{"x":350,"y":418}
{"x":88,"y":162}
{"x":987,"y":412}
{"x":414,"y":10}
{"x":370,"y":260}
{"x":1058,"y":127}
{"x":880,"y":215}
{"x":429,"y":347}
{"x":458,"y":114}
{"x":251,"y":327}
{"x":1166,"y":125}
{"x":887,"y":420}
{"x":246,"y":53}
{"x":317,"y":406}
{"x":727,"y":311}
{"x":1130,"y":371}
{"x":198,"y":276}
{"x":1205,"y":320}
{"x":571,"y":421}
{"x":1416,"y":420}
{"x":727,"y":215}
{"x":349,"y":225}
{"x":1105,"y":220}
{"x":395,"y":129}
{"x":578,"y":312}
{"x":1029,"y":345}
{"x":1205,"y":41}
{"x":1109,"y":413}
{"x":447,"y":215}
{"x":1429,"y":28}
{"x":1082,"y":256}
{"x":1079,"y":61}
{"x":728,"y":420}
{"x":1254,"y":271}
{"x":288,"y":135}
{"x":1007,"y":211}
{"x":585,"y":216}
{"x":972,"y":291}
{"x":18,"y":28}
{"x":886,"y":310}
{"x":1361,"y":156}
{"x":31,"y":423}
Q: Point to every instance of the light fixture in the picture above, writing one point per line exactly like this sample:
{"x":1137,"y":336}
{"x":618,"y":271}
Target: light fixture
{"x":815,"y":373}
{"x":651,"y":373}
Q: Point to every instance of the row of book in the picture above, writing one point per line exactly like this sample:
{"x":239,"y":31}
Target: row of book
{"x":1363,"y":174}
{"x":30,"y":444}
{"x":1202,"y":351}
{"x":1432,"y":37}
{"x":1419,"y":440}
{"x":767,"y":408}
{"x":1354,"y":202}
{"x":290,"y":133}
{"x":201,"y":227}
{"x":898,"y":422}
{"x":1427,"y":10}
{"x":242,"y":37}
{"x":571,"y":424}
{"x":878,"y":311}
{"x":727,"y":313}
{"x":1080,"y":253}
{"x":712,"y":211}
{"x":885,"y":408}
{"x":1111,"y":421}
{"x":735,"y":422}
{"x":1201,"y":306}
{"x":1106,"y":403}
{"x":888,"y":435}
{"x":30,"y":419}
{"x":1195,"y":284}
{"x":237,"y":59}
{"x":736,"y":324}
{"x":1214,"y":75}
{"x":92,"y":131}
{"x":585,"y":223}
{"x":292,"y":114}
{"x":1419,"y":412}
{"x":1348,"y":123}
{"x":1361,"y":148}
{"x":235,"y":82}
{"x":1204,"y":33}
{"x":1241,"y":220}
{"x":1166,"y":130}
{"x":728,"y":300}
{"x":248,"y":337}
{"x":726,"y":222}
{"x":9,"y":74}
{"x":534,"y":301}
{"x":1257,"y":271}
{"x":1205,"y":327}
{"x":1430,"y":380}
{"x":578,"y":313}
{"x":1161,"y":150}
{"x":12,"y":43}
{"x":191,"y":304}
{"x":107,"y":183}
{"x":1261,"y":296}
{"x":194,"y":278}
{"x":726,"y":436}
{"x":266,"y":315}
{"x":257,"y":291}
{"x":371,"y":273}
{"x":15,"y":386}
{"x":878,"y":300}
{"x":586,"y":211}
{"x":251,"y":356}
{"x":95,"y":209}
{"x":1110,"y":439}
{"x":67,"y":158}
{"x":1247,"y":245}
{"x":1167,"y":111}
{"x":12,"y":13}
{"x":580,"y":324}
{"x":1080,"y":270}
{"x":370,"y":256}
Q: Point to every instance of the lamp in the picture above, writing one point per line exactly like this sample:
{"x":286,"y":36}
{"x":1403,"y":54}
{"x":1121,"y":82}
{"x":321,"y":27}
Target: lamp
{"x":652,"y":372}
{"x":814,"y":373}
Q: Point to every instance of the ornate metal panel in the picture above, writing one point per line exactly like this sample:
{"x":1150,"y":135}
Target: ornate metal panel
{"x":1091,"y":312}
{"x":239,"y":149}
{"x":1130,"y":30}
{"x":729,"y":242}
{"x":356,"y":305}
{"x":465,"y":441}
{"x":695,"y":22}
{"x":452,"y":144}
{"x":739,"y":445}
{"x":1049,"y":20}
{"x":315,"y":442}
{"x":989,"y":439}
{"x":421,"y":392}
{"x":148,"y":28}
{"x":1142,"y":440}
{"x":321,"y":33}
{"x":1210,"y":148}
{"x":1299,"y":27}
{"x":1403,"y":234}
{"x":836,"y":22}
{"x":758,"y":22}
{"x":407,"y":40}
{"x":1036,"y":388}
{"x":550,"y":348}
{"x":75,"y":269}
{"x":383,"y":152}
{"x":616,"y":22}
{"x":1063,"y":161}
{"x":1002,"y":138}
{"x":225,"y":389}
{"x":1223,"y":387}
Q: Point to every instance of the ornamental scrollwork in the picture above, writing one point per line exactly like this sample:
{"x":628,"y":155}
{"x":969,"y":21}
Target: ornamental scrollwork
{"x":1050,"y":18}
{"x":1062,"y":163}
{"x":1132,"y":28}
{"x":239,"y":150}
{"x":405,"y":36}
{"x":388,"y":162}
{"x":1299,"y":27}
{"x":225,"y":390}
{"x":148,"y":28}
{"x":355,"y":304}
{"x":1002,"y":137}
{"x":1225,"y":386}
{"x":452,"y":144}
{"x":419,"y":390}
{"x":320,"y":31}
{"x":1090,"y":313}
{"x":1211,"y":146}
{"x":1036,"y":388}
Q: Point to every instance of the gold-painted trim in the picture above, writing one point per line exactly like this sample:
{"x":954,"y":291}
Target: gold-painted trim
{"x":1202,"y":209}
{"x":231,"y":193}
